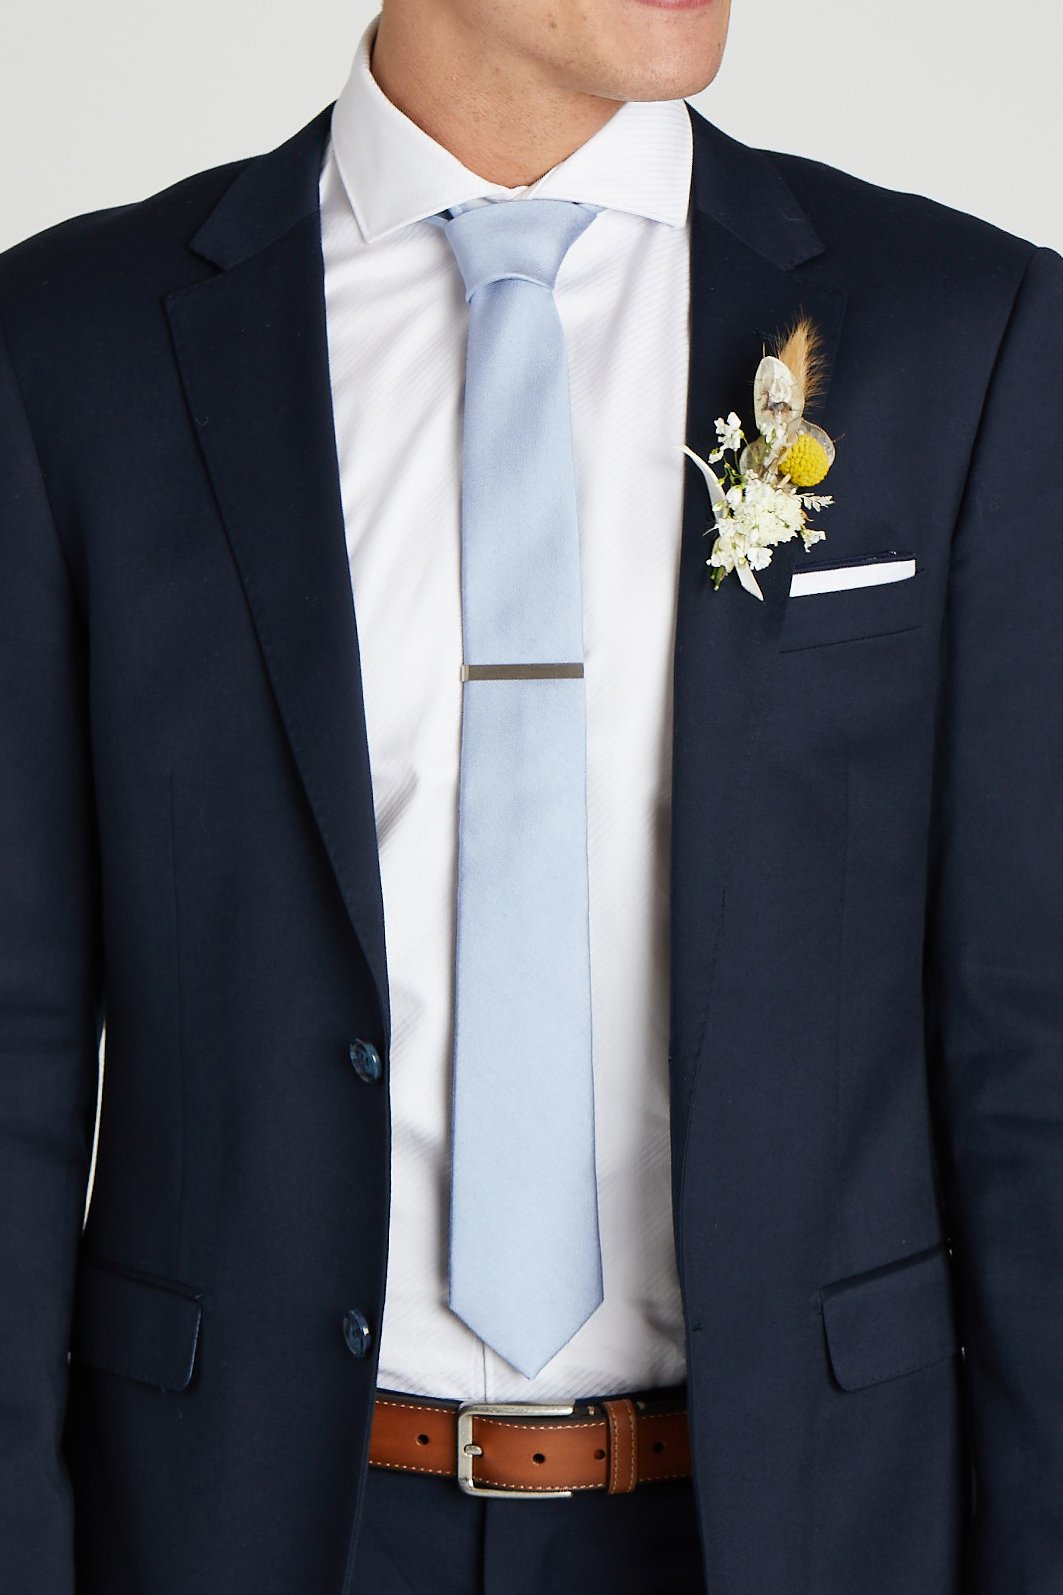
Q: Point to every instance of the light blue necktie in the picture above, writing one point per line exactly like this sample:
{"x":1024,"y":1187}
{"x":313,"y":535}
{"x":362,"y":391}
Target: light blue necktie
{"x":525,"y":1258}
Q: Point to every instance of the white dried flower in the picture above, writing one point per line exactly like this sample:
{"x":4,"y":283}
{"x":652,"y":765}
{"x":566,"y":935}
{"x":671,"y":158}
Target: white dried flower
{"x":730,"y":435}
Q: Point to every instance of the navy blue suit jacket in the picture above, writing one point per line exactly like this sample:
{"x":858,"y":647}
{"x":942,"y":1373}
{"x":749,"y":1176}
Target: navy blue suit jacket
{"x":866,"y":993}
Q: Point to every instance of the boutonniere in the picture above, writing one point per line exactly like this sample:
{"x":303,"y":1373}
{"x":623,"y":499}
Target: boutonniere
{"x":763,"y":498}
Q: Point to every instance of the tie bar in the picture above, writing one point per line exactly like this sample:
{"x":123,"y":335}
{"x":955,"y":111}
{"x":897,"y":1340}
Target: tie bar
{"x":521,"y":672}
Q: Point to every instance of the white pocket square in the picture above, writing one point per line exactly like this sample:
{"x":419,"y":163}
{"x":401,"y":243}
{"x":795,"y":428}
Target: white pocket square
{"x":838,"y":578}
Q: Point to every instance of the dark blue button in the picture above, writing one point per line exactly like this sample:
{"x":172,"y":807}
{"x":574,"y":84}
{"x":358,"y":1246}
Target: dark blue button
{"x":356,"y":1332}
{"x":367,"y":1063}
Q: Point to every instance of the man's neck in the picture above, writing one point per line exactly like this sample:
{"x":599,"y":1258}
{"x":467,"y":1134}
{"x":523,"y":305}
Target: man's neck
{"x":501,"y":118}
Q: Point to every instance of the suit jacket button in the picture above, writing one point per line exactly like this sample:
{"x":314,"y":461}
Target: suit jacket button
{"x":367,"y":1062}
{"x":356,"y":1332}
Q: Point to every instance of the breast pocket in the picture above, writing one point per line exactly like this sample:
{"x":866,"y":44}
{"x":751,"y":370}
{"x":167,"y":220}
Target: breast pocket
{"x":875,"y":595}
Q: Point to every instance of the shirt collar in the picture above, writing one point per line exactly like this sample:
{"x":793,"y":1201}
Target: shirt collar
{"x":395,"y":173}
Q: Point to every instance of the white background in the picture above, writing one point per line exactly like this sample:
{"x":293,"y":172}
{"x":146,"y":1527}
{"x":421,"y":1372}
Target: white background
{"x":105,"y":101}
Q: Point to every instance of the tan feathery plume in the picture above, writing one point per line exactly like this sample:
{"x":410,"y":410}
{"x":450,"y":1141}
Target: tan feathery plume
{"x":802,"y":352}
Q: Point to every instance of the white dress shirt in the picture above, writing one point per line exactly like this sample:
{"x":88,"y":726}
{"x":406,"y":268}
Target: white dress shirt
{"x":397,"y":324}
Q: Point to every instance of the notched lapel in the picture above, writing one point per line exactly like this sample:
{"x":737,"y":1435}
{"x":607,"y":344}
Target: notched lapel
{"x":748,"y":236}
{"x":252,"y":350}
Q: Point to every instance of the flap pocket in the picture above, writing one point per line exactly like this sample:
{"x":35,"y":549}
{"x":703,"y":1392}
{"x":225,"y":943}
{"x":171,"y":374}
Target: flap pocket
{"x":890,"y":1321}
{"x":135,"y":1325}
{"x":812,"y":620}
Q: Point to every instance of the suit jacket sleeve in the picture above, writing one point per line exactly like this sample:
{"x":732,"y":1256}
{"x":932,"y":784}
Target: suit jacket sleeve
{"x":49,"y":1006}
{"x":995,"y":946}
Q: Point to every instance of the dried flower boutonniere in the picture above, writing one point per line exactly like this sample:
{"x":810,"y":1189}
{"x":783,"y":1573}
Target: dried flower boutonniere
{"x":763,"y":497}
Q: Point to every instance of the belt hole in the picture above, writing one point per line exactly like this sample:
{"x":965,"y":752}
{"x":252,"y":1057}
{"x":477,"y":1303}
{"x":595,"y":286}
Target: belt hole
{"x":422,"y":1439}
{"x":538,"y":1457}
{"x":599,"y":1456}
{"x":658,"y":1445}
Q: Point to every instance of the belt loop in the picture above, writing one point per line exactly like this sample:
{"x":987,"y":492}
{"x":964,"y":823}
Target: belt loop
{"x":623,"y":1446}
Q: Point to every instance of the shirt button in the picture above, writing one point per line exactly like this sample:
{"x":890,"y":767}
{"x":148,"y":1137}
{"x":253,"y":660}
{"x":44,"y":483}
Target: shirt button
{"x":367,"y":1062}
{"x":356,"y":1332}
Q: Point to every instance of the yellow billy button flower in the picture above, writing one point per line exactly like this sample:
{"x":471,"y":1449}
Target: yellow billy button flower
{"x":806,"y":463}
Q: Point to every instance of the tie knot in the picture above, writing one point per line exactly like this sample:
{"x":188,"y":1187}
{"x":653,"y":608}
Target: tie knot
{"x":525,"y":238}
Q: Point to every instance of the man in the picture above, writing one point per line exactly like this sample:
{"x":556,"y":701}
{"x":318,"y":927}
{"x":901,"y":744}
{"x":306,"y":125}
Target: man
{"x":534,"y":974}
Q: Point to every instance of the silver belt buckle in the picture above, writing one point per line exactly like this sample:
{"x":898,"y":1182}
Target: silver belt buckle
{"x":468,"y":1449}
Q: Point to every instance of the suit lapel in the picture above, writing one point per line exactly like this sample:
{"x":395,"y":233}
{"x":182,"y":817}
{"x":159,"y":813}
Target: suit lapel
{"x":749,"y":238}
{"x":251,"y":346}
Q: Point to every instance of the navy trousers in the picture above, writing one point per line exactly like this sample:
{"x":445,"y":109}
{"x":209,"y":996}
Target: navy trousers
{"x":423,"y":1536}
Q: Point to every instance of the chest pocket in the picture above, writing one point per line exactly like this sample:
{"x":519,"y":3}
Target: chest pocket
{"x":847,"y":614}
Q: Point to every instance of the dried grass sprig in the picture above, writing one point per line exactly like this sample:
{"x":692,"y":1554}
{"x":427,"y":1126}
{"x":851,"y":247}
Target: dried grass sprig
{"x":802,"y":351}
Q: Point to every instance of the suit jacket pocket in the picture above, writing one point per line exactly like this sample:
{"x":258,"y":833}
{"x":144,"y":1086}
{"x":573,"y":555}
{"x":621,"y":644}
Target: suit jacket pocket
{"x":134,"y":1324}
{"x":890,"y":1321}
{"x":816,"y":619}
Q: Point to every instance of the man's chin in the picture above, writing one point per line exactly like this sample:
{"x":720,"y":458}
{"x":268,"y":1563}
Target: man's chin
{"x":668,"y":77}
{"x":659,"y":86}
{"x":673,"y":88}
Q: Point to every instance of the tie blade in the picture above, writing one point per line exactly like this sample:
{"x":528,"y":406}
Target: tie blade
{"x":527,"y":1326}
{"x":524,"y":1226}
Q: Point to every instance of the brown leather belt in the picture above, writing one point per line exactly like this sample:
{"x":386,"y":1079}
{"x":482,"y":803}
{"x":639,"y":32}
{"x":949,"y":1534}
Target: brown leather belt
{"x":532,"y":1451}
